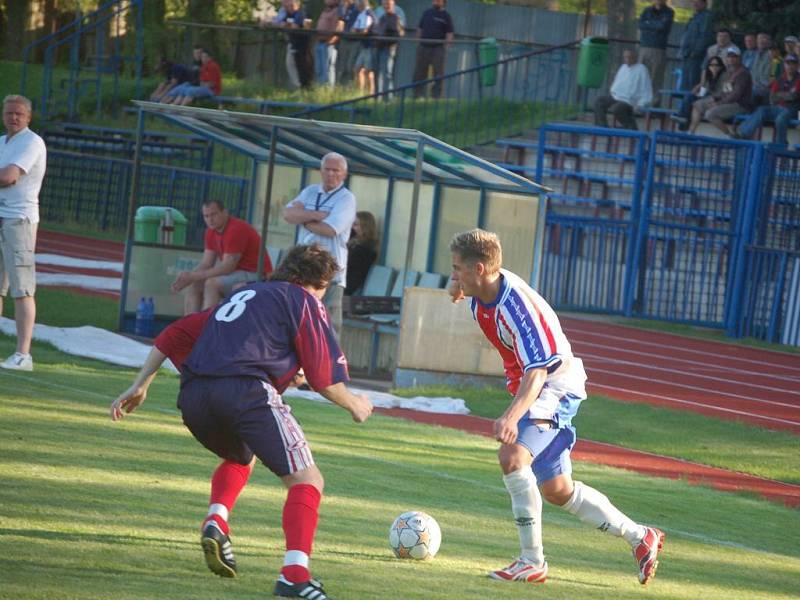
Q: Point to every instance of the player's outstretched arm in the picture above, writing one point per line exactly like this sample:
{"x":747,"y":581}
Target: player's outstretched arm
{"x":357,"y":405}
{"x":131,"y":398}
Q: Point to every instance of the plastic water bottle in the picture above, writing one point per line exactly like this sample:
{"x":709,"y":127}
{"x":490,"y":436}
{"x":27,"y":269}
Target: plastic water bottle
{"x":150,"y":318}
{"x":141,"y":317}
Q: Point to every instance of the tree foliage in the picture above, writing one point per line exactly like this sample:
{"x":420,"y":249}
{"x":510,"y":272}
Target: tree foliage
{"x":777,"y":17}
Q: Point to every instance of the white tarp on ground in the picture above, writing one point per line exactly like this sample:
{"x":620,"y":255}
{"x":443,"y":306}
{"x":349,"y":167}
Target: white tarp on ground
{"x":93,"y":342}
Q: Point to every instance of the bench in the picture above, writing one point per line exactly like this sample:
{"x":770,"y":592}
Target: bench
{"x":377,"y":308}
{"x":662,"y":114}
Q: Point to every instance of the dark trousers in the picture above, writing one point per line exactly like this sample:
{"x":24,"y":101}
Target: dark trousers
{"x":429,"y":56}
{"x":690,"y":72}
{"x":621,"y":110}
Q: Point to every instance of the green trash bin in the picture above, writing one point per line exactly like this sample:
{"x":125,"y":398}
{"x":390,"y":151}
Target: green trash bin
{"x":592,"y":62}
{"x":488,"y":51}
{"x":159,"y":225}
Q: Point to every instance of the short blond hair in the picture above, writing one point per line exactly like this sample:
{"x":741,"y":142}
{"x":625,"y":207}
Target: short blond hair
{"x":17,"y":99}
{"x":478,"y":245}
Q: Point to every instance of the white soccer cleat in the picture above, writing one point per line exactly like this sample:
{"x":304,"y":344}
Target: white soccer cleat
{"x":646,"y":553}
{"x":521,"y":570}
{"x":18,"y":362}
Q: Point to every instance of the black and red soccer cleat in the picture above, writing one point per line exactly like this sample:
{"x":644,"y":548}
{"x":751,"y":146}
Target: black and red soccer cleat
{"x":218,"y":551}
{"x":311,"y":589}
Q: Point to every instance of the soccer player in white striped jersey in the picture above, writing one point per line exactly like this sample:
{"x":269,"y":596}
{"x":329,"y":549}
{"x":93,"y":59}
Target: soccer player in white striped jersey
{"x":535,"y":432}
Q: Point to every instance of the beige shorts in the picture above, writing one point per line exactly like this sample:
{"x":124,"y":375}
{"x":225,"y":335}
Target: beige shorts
{"x":18,"y":257}
{"x":236,"y":278}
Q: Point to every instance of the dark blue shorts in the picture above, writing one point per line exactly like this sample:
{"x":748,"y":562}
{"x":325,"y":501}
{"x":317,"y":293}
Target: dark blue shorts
{"x":237,"y":418}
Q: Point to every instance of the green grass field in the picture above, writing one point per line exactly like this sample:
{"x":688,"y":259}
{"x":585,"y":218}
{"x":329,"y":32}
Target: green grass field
{"x":93,"y":509}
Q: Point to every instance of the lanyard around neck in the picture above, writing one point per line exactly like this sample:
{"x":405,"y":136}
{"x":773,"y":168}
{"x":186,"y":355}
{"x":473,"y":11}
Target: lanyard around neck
{"x":318,"y":204}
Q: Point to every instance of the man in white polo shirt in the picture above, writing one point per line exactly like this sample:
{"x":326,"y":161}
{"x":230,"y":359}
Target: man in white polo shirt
{"x":23,"y":158}
{"x":325,"y":213}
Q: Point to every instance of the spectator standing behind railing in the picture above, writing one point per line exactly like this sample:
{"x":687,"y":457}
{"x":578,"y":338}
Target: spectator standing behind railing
{"x":325,"y":50}
{"x":435,"y":24}
{"x":298,"y":60}
{"x":784,"y":104}
{"x":655,"y":23}
{"x":365,"y":59}
{"x":696,"y":38}
{"x":23,"y":160}
{"x":210,"y":84}
{"x":631,"y":90}
{"x":389,"y":24}
{"x":348,"y":47}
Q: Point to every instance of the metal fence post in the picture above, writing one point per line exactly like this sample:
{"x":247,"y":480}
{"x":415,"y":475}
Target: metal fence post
{"x":743,"y":237}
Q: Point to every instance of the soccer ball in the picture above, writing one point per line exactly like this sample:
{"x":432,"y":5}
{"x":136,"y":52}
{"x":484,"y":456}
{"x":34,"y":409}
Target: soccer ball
{"x":415,"y":534}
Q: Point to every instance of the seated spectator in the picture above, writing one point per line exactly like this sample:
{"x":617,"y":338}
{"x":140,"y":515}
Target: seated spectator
{"x":736,"y":96}
{"x":707,"y":92}
{"x":174,"y":75}
{"x":777,"y":62}
{"x":784,"y":103}
{"x":210,"y":84}
{"x":365,"y":59}
{"x":724,"y":43}
{"x":790,"y":45}
{"x":750,"y":51}
{"x":761,"y":69}
{"x":230,"y":257}
{"x":631,"y":90}
{"x":362,"y":250}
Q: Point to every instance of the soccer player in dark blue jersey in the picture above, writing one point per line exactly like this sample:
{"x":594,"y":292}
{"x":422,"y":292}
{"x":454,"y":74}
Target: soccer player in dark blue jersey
{"x":248,"y":352}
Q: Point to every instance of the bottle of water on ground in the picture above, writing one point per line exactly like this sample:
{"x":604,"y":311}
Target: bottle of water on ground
{"x":141,"y":317}
{"x":150,"y":321}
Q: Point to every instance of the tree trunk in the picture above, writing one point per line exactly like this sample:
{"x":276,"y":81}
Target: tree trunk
{"x":17,"y":12}
{"x":203,"y":11}
{"x":622,"y":22}
{"x":155,"y":36}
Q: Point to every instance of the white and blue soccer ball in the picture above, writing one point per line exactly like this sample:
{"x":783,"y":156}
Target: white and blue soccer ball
{"x":416,"y":535}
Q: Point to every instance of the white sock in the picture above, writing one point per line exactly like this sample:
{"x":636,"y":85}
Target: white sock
{"x":593,"y":508}
{"x":526,"y":504}
{"x":218,"y":509}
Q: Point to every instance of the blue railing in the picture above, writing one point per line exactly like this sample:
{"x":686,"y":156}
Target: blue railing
{"x":95,"y":191}
{"x":92,"y":68}
{"x":478,"y":105}
{"x":667,"y":226}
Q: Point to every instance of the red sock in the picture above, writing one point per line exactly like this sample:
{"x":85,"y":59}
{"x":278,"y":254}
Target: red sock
{"x":227,"y":483}
{"x":300,"y":516}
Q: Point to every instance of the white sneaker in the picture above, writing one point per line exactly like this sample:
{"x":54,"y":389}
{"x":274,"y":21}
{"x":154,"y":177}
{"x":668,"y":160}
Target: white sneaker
{"x":18,"y":362}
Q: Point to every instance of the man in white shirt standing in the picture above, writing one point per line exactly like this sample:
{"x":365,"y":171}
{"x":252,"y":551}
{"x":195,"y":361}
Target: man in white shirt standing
{"x":631,"y":90}
{"x":23,"y":158}
{"x":325,"y":213}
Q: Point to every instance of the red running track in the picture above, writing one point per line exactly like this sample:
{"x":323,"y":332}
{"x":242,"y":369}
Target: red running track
{"x":721,"y":380}
{"x":632,"y":460}
{"x":50,"y":242}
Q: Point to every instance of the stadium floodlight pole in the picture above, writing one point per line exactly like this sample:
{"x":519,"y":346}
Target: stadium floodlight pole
{"x":135,"y":174}
{"x":273,"y":150}
{"x":412,"y":225}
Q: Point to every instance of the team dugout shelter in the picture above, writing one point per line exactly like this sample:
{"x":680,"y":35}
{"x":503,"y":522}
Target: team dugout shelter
{"x":421,"y":190}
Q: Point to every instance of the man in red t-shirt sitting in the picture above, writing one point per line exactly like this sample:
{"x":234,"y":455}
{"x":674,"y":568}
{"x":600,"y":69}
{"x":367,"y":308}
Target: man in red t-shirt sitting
{"x":210,"y":84}
{"x":230,"y":257}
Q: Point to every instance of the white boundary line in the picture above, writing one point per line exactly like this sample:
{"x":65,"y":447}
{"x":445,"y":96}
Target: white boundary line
{"x":692,"y":403}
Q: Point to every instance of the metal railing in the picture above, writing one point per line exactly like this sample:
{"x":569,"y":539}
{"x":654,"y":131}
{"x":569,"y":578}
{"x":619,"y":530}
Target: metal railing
{"x":477,"y":105}
{"x":96,"y":44}
{"x":94,"y":191}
